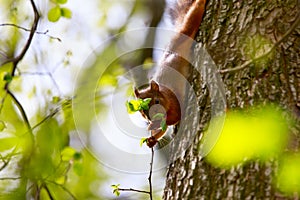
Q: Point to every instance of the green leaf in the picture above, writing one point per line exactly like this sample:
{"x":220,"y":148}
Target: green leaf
{"x":55,"y":99}
{"x":78,"y":168}
{"x":116,"y":192}
{"x":2,"y":125}
{"x":132,"y":106}
{"x":8,"y":143}
{"x":145,"y":104}
{"x":66,"y":12}
{"x":115,"y":186}
{"x":116,"y":189}
{"x":288,"y":177}
{"x":137,"y":105}
{"x":7,"y":77}
{"x":68,"y":153}
{"x":54,"y":14}
{"x":142,"y":141}
{"x":163,"y":125}
{"x":77,"y":156}
{"x":60,"y":180}
{"x":61,"y":1}
{"x":158,"y":116}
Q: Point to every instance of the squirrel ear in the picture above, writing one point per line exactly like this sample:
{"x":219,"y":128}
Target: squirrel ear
{"x":136,"y":92}
{"x":154,"y":86}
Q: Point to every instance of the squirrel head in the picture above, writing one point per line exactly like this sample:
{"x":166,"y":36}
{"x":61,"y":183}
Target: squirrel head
{"x":163,"y":100}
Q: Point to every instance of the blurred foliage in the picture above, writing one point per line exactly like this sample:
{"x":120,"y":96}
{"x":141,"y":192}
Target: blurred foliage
{"x":288,"y":177}
{"x":258,"y":133}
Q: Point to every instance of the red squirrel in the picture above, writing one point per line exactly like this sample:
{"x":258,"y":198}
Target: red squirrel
{"x":166,"y":91}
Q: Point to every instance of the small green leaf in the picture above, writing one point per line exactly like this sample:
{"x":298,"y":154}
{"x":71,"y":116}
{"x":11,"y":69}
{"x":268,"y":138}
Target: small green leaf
{"x":2,"y":125}
{"x":115,"y":186}
{"x":66,"y":12}
{"x":55,"y":99}
{"x":158,"y":116}
{"x":78,"y":168}
{"x":60,"y":180}
{"x":77,"y":156}
{"x":54,"y":14}
{"x":116,"y":189}
{"x":145,"y":104}
{"x":137,"y":105}
{"x":61,"y":1}
{"x":8,"y":143}
{"x":132,"y":106}
{"x":7,"y":77}
{"x":142,"y":141}
{"x":68,"y":153}
{"x":163,"y":125}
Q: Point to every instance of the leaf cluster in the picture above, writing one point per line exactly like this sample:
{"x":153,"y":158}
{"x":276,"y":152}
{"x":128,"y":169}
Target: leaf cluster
{"x":137,"y":105}
{"x":56,"y":12}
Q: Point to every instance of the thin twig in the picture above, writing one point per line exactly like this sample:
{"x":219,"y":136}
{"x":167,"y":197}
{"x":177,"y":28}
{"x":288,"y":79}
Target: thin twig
{"x":149,"y":179}
{"x":48,"y":192}
{"x":38,"y":192}
{"x":10,"y":178}
{"x":33,"y":29}
{"x":16,"y":61}
{"x":37,"y":32}
{"x":46,"y":118}
{"x":133,"y":190}
{"x":21,"y":109}
{"x":150,"y":173}
{"x":247,"y":63}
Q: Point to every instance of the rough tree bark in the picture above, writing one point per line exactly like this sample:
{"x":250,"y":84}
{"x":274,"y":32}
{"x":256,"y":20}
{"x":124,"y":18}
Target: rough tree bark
{"x":226,"y":28}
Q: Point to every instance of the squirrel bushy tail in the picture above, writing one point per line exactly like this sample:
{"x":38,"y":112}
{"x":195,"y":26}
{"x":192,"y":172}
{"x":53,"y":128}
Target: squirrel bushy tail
{"x":177,"y":9}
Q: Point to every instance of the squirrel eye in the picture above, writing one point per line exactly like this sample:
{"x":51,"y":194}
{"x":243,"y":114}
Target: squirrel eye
{"x":156,"y":101}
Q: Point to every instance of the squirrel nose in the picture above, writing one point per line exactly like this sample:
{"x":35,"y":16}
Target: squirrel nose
{"x":155,"y":109}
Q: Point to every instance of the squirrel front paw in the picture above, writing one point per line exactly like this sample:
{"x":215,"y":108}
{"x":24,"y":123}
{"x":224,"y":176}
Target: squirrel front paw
{"x":151,"y":141}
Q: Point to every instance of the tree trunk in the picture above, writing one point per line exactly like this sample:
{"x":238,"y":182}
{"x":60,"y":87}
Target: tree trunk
{"x":232,"y":32}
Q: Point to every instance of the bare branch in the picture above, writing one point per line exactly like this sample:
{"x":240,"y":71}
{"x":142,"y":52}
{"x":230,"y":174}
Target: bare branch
{"x":247,"y":63}
{"x":33,"y":29}
{"x":133,"y":190}
{"x":21,"y":109}
{"x":37,"y":32}
{"x":150,"y":173}
{"x":10,"y":178}
{"x":48,"y":192}
{"x":149,"y":179}
{"x":46,"y":118}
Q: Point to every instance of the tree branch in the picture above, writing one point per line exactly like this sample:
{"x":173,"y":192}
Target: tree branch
{"x":10,"y":178}
{"x":150,"y":173}
{"x":247,"y":63}
{"x":133,"y":190}
{"x":33,"y":29}
{"x":21,"y":109}
{"x":16,"y":61}
{"x":37,"y":32}
{"x":48,"y":192}
{"x":149,"y":179}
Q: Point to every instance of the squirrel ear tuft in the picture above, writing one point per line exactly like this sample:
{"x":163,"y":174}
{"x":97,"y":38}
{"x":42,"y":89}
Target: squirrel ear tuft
{"x":136,"y":92}
{"x":154,"y":86}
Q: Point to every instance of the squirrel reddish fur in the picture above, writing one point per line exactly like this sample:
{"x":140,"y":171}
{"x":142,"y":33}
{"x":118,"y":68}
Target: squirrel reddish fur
{"x":166,"y":97}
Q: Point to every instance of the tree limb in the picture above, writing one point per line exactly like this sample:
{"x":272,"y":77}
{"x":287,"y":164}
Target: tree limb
{"x":26,"y":29}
